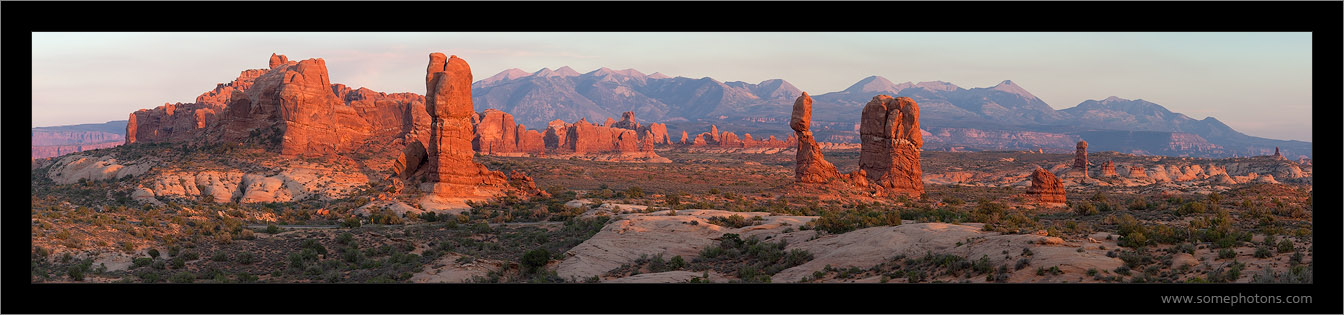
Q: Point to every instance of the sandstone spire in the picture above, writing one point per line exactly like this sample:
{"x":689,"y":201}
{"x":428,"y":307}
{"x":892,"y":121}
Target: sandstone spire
{"x":812,"y":167}
{"x":1080,"y":158}
{"x":889,"y":131}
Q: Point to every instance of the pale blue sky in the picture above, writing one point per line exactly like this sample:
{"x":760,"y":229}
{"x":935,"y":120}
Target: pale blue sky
{"x":1258,"y":83}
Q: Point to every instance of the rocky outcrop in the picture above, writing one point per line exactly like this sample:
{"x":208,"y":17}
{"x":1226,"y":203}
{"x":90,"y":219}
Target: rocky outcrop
{"x":1137,"y":172}
{"x":172,"y":122}
{"x":73,"y":168}
{"x":1080,"y":158}
{"x":1108,"y":169}
{"x":495,"y":133}
{"x":1045,"y":187}
{"x":811,"y":166}
{"x":891,"y":141}
{"x":627,"y":122}
{"x":685,"y":139}
{"x":291,"y":107}
{"x":556,"y":132}
{"x":448,"y":100}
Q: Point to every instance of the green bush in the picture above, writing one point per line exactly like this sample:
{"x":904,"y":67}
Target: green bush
{"x":76,"y":273}
{"x":1263,"y":252}
{"x":1285,"y":246}
{"x":153,"y":253}
{"x":220,"y":257}
{"x":272,"y":229}
{"x":245,"y":258}
{"x":1226,"y":253}
{"x":183,"y":277}
{"x":535,"y":259}
{"x":142,"y":261}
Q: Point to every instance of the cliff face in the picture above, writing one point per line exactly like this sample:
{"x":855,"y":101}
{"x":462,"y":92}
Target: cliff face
{"x":292,"y":107}
{"x":61,"y":140}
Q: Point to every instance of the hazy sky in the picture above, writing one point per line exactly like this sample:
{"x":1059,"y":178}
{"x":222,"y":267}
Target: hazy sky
{"x":1257,"y":83}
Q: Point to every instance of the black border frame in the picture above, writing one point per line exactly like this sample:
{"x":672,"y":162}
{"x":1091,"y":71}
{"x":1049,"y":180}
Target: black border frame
{"x":1323,"y":19}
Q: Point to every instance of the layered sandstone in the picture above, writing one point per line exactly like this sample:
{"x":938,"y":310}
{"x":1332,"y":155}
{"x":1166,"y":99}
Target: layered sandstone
{"x":1045,"y":187}
{"x":1108,"y":169}
{"x":291,"y":107}
{"x":1080,"y":158}
{"x":811,"y":166}
{"x":890,"y":144}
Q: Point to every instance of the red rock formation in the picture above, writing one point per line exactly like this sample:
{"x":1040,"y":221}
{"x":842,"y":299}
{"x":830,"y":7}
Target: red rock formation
{"x":530,"y":141}
{"x":1108,"y":169}
{"x":699,"y":141}
{"x":1045,"y":187}
{"x":729,"y":140}
{"x":685,"y":139}
{"x":448,"y":100}
{"x":627,"y":122}
{"x":170,"y":123}
{"x":411,"y":159}
{"x":609,"y":122}
{"x":1137,"y":172}
{"x":556,"y":132}
{"x":1080,"y":158}
{"x":812,"y":166}
{"x":658,"y":132}
{"x":890,"y":144}
{"x":278,"y":60}
{"x":713,"y":135}
{"x":495,"y":133}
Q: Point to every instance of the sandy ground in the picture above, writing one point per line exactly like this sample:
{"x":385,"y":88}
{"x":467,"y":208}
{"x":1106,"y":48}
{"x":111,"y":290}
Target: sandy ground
{"x":680,"y":233}
{"x":448,"y":270}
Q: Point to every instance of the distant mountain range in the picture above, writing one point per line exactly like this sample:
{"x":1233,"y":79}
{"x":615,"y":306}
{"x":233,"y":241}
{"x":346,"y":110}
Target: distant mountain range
{"x":1002,"y":117}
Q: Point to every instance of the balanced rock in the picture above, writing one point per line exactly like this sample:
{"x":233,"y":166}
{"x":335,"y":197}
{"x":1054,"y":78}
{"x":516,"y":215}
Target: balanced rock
{"x":1045,"y":187}
{"x":891,"y":141}
{"x":811,"y":166}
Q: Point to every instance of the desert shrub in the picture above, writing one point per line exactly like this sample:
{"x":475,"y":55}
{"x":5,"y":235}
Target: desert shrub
{"x":313,"y":245}
{"x":634,"y":192}
{"x":535,"y":259}
{"x":183,"y":277}
{"x":141,"y":261}
{"x":245,"y":258}
{"x":1190,"y":208}
{"x":153,"y":253}
{"x":76,"y":273}
{"x":345,"y":238}
{"x":734,"y":221}
{"x":1021,"y":263}
{"x":351,"y":222}
{"x":1263,"y":252}
{"x":1285,"y":246}
{"x":672,"y":199}
{"x":1086,"y":208}
{"x":220,"y":256}
{"x":1133,"y":240}
{"x":1226,"y":253}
